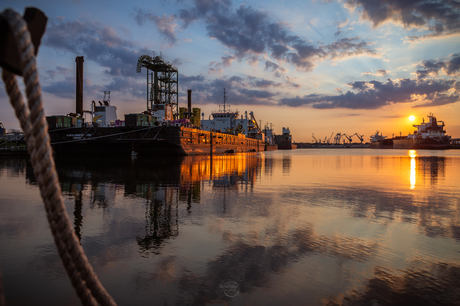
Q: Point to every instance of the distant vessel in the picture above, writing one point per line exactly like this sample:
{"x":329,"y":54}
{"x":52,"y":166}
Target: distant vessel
{"x":12,"y":142}
{"x":226,"y":121}
{"x":378,"y":141}
{"x":429,"y":135}
{"x":270,"y":144}
{"x":284,"y":141}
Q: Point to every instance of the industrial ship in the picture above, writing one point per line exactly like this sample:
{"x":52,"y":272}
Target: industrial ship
{"x":429,"y":135}
{"x":284,"y":141}
{"x":160,"y":130}
{"x":378,"y":141}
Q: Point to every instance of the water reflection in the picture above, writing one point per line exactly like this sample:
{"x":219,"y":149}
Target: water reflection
{"x":162,"y":224}
{"x":412,"y":154}
{"x":427,"y":284}
{"x":419,"y":168}
{"x":287,"y":160}
{"x":287,"y":228}
{"x":165,"y":183}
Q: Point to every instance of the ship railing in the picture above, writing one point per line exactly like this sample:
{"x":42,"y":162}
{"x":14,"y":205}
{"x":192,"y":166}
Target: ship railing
{"x":13,"y":148}
{"x":98,"y":137}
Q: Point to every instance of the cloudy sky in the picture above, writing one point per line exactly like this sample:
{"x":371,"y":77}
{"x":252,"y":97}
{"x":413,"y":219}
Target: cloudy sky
{"x":321,"y":66}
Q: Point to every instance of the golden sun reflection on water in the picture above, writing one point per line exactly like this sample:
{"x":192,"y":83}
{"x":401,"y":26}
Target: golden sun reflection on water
{"x":413,"y":167}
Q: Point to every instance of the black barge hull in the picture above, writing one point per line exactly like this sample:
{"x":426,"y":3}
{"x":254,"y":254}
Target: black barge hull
{"x":147,"y":141}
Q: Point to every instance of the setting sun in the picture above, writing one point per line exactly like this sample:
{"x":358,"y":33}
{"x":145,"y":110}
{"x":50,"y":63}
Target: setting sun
{"x":412,"y":118}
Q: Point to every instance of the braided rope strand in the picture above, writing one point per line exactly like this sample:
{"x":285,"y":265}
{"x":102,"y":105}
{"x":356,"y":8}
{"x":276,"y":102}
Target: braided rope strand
{"x":21,"y":111}
{"x":2,"y":296}
{"x":83,"y":278}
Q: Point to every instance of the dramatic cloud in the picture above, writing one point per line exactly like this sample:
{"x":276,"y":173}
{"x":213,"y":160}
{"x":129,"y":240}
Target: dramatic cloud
{"x":96,"y":42}
{"x":375,"y":94}
{"x":166,"y":24}
{"x":127,"y":85}
{"x":439,"y":16}
{"x":431,"y":68}
{"x":441,"y":99}
{"x":291,"y":83}
{"x":218,"y":67}
{"x":58,"y":71}
{"x":66,"y":89}
{"x":380,"y":72}
{"x":262,"y":83}
{"x":248,"y":90}
{"x":186,"y":80}
{"x":277,"y":70}
{"x":346,"y":47}
{"x":249,"y":32}
{"x":227,"y":60}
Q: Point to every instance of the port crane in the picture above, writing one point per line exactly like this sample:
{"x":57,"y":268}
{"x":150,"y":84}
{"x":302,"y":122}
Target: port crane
{"x":349,"y":138}
{"x":330,"y":137}
{"x":337,"y":138}
{"x":313,"y":135}
{"x":360,"y":137}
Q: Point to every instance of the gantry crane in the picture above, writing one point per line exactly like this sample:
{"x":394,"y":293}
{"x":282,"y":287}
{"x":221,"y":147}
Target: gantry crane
{"x":162,"y":82}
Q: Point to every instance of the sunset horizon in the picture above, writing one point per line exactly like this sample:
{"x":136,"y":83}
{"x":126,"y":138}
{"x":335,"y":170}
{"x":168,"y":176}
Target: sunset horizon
{"x":318,"y":67}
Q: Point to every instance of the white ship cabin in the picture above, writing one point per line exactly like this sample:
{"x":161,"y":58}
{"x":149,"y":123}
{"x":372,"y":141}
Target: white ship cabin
{"x":104,"y":115}
{"x":162,"y":112}
{"x":228,"y":122}
{"x":269,"y":135}
{"x":286,"y":134}
{"x":377,"y":137}
{"x":431,"y":129}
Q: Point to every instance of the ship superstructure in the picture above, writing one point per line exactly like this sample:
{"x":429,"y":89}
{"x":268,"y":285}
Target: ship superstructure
{"x":431,"y":129}
{"x":227,"y":121}
{"x":378,"y":141}
{"x":429,"y":135}
{"x":284,"y":141}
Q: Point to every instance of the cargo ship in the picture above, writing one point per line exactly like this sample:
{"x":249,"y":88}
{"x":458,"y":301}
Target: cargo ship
{"x":429,"y":135}
{"x":378,"y":141}
{"x":153,"y":132}
{"x":230,"y":122}
{"x":284,"y":141}
{"x":160,"y":130}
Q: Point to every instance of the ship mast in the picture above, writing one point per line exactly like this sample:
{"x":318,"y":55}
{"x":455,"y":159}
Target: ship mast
{"x":225,"y":99}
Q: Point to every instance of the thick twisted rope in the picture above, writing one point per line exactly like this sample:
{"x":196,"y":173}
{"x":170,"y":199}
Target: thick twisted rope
{"x":2,"y":296}
{"x":32,"y":120}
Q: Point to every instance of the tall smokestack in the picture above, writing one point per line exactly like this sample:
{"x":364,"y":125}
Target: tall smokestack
{"x":189,"y":93}
{"x":79,"y":80}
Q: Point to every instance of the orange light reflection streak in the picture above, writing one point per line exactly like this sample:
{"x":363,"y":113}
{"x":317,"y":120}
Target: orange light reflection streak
{"x":413,"y":155}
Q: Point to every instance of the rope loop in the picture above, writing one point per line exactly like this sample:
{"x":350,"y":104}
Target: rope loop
{"x":32,"y":120}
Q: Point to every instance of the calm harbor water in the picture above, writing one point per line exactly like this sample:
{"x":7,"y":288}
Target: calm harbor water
{"x":302,"y":227}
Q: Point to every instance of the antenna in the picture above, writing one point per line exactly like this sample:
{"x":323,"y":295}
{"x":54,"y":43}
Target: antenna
{"x":225,"y":99}
{"x":106,"y":99}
